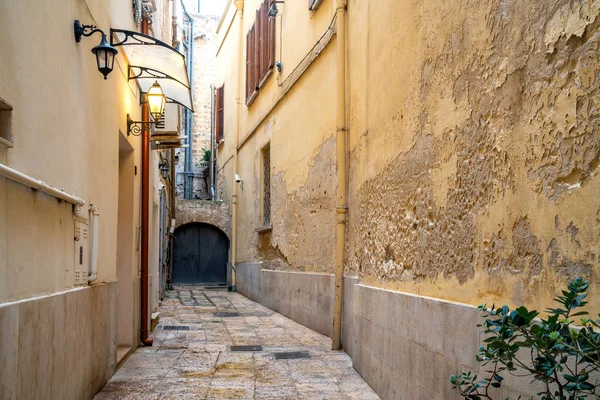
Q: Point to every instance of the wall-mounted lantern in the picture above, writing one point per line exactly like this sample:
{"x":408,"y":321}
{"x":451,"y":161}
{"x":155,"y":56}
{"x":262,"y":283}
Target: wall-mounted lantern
{"x":273,"y":10}
{"x":156,"y":102}
{"x":164,"y":169}
{"x":104,"y":52}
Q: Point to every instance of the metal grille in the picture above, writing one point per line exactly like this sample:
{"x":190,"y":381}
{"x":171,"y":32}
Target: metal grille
{"x":160,"y":124}
{"x":224,"y":314}
{"x":246,"y":348}
{"x":292,"y":355}
{"x":267,"y":186}
{"x":175,"y":328}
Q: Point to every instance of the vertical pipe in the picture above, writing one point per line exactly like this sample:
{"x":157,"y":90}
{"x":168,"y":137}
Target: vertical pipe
{"x":190,"y":115}
{"x":240,"y":11}
{"x":145,"y":200}
{"x":341,"y":208}
{"x":212,"y":141}
{"x":172,"y":217}
{"x":95,"y":232}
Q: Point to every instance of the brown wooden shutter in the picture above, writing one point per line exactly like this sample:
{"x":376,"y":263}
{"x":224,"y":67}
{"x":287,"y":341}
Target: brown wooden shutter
{"x":271,"y":38}
{"x":264,"y":26}
{"x":261,"y":38}
{"x":216,"y":116}
{"x":220,"y":113}
{"x":250,"y":63}
{"x":257,"y":50}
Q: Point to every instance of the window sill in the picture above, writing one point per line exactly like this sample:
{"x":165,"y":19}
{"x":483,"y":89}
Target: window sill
{"x":264,"y":228}
{"x":6,"y":143}
{"x":251,"y":98}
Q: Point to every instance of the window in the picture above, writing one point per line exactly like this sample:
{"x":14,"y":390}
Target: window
{"x":314,"y":4}
{"x":266,"y":189}
{"x":260,"y":50}
{"x":5,"y":123}
{"x":219,"y":108}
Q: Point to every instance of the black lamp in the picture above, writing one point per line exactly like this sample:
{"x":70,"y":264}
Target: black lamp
{"x":104,"y":52}
{"x":273,"y":10}
{"x":164,"y":169}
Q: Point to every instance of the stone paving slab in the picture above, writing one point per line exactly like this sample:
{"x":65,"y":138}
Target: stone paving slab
{"x":198,"y":363}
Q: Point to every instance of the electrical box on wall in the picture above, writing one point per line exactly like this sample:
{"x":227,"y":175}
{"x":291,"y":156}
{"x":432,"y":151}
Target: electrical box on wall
{"x":81,"y":252}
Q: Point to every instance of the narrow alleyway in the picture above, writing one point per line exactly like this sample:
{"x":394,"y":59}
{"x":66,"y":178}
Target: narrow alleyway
{"x":194,"y":355}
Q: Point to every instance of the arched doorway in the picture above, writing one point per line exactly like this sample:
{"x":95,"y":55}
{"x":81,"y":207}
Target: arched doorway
{"x":200,"y":254}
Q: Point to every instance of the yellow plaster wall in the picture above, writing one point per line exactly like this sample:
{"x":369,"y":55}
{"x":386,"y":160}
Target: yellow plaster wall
{"x":66,"y":124}
{"x":473,"y":147}
{"x":299,"y":128}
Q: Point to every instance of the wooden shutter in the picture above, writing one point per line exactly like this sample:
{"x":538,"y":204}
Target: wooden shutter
{"x":261,"y":39}
{"x":271,"y":38}
{"x":220,"y":120}
{"x":250,"y":64}
{"x":257,"y":50}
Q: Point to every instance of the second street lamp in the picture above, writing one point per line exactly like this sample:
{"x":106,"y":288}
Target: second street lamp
{"x":156,"y":102}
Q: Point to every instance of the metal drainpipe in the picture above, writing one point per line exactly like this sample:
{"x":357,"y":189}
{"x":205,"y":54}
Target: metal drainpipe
{"x":239,"y":4}
{"x":212,"y":141}
{"x":146,"y":341}
{"x":342,"y":207}
{"x":172,"y":217}
{"x":188,"y":185}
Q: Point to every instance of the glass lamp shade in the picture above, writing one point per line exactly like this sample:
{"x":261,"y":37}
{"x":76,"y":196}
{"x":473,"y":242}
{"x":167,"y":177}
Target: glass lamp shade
{"x":164,"y":170}
{"x":156,"y":100}
{"x":105,"y":56}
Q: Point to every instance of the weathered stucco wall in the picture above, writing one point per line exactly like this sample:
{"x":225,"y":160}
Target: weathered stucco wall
{"x":473,"y":147}
{"x":302,"y":145}
{"x":474,"y":179}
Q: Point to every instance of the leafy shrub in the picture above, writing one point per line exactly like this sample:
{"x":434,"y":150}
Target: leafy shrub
{"x":551,"y":350}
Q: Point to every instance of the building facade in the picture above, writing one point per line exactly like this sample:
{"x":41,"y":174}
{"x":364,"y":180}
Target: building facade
{"x":71,"y":218}
{"x":470,"y":150}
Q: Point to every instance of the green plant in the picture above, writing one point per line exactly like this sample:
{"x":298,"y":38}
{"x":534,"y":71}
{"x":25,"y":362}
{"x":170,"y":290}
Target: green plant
{"x":551,"y":350}
{"x":206,"y":156}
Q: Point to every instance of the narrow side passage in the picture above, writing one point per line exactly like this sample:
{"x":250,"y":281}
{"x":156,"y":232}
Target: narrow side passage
{"x":192,"y":357}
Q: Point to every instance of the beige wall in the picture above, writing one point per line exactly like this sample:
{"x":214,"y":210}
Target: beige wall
{"x":473,"y":146}
{"x":69,"y":126}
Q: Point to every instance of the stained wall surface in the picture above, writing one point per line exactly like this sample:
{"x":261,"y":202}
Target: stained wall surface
{"x":474,"y":179}
{"x":473,"y":146}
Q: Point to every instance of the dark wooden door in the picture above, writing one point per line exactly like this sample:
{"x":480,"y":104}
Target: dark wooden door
{"x":199,"y":255}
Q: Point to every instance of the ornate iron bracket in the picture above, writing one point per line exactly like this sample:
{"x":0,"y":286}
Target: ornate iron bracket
{"x":80,"y":30}
{"x":135,"y":127}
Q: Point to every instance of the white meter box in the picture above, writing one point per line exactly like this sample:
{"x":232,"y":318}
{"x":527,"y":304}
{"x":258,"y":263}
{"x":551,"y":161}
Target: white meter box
{"x":81,"y":252}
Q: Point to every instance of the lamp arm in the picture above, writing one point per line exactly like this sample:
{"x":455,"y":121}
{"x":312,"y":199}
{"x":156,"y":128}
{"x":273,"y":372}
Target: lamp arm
{"x":80,"y":30}
{"x":135,"y":127}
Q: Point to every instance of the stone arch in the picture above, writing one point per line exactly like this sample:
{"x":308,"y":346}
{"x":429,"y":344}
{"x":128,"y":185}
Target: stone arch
{"x":215,"y":213}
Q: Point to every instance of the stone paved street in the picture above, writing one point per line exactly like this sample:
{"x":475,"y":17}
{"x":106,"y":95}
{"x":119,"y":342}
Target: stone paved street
{"x":192,"y":357}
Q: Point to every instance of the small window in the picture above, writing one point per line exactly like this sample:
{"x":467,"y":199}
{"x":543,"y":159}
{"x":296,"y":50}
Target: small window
{"x":266,"y":189}
{"x":6,"y":138}
{"x":219,"y":113}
